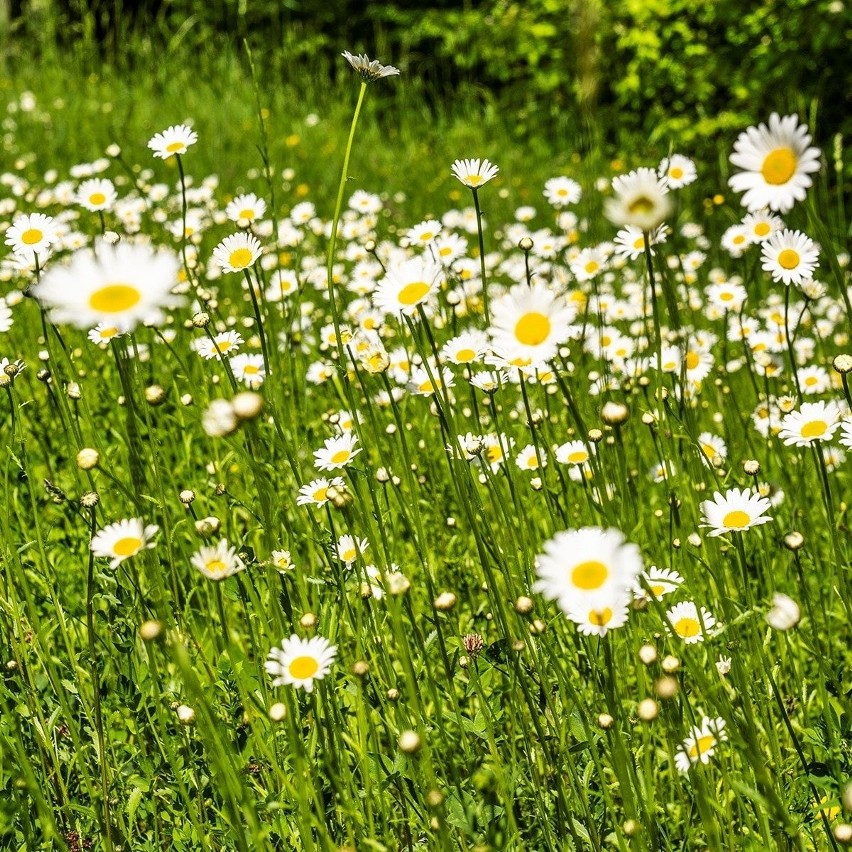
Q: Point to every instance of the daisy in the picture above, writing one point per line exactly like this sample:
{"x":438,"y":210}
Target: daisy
{"x":466,"y":348}
{"x":369,"y":70}
{"x":761,"y":226}
{"x":677,"y":171}
{"x":450,"y":247}
{"x":712,"y":447}
{"x":814,"y":379}
{"x":735,"y":511}
{"x":527,"y":458}
{"x":630,"y":241}
{"x":846,"y":433}
{"x":315,"y":493}
{"x":348,"y":548}
{"x":532,"y":321}
{"x":489,"y":380}
{"x":420,"y":382}
{"x":5,"y":316}
{"x":103,"y":332}
{"x":424,"y":233}
{"x":497,"y":447}
{"x":560,"y":191}
{"x":337,"y":452}
{"x":246,"y":208}
{"x":173,"y":140}
{"x":686,"y":623}
{"x":474,"y":173}
{"x":726,"y":295}
{"x":237,"y":252}
{"x":282,"y":560}
{"x":224,"y":343}
{"x":658,"y":581}
{"x":32,"y":234}
{"x":123,"y":539}
{"x":219,"y":562}
{"x":599,"y":620}
{"x":96,"y":194}
{"x":299,"y":662}
{"x":588,"y":264}
{"x":573,"y":452}
{"x":407,"y":285}
{"x":122,"y":285}
{"x":588,"y":568}
{"x":641,"y":199}
{"x":248,"y":369}
{"x":777,"y":163}
{"x":736,"y":240}
{"x":814,"y":421}
{"x":700,"y":744}
{"x":790,"y":256}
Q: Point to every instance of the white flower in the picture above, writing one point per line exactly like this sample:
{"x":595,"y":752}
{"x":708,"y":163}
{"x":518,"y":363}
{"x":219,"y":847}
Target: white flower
{"x":789,"y":256}
{"x":337,"y":452}
{"x":123,"y":539}
{"x":735,"y":511}
{"x":219,"y":562}
{"x":784,"y":614}
{"x":814,"y":421}
{"x":474,"y":173}
{"x":368,"y":69}
{"x":237,"y":252}
{"x":299,"y":662}
{"x":173,"y":140}
{"x":686,"y":623}
{"x":641,"y":199}
{"x":31,"y":234}
{"x":701,"y":743}
{"x":560,"y":191}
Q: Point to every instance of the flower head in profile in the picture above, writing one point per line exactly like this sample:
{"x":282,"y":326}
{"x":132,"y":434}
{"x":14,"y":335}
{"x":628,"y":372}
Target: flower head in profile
{"x":735,"y":511}
{"x":123,"y":539}
{"x":219,"y":562}
{"x":368,"y":69}
{"x":474,"y":173}
{"x":700,"y":743}
{"x":641,"y":199}
{"x":299,"y":662}
{"x":173,"y":140}
{"x":777,"y":163}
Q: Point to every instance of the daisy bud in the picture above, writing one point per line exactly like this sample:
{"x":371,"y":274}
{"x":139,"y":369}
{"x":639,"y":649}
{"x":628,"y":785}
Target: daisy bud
{"x":525,"y":244}
{"x":614,"y":413}
{"x":73,"y":390}
{"x":150,"y":631}
{"x":694,"y":539}
{"x":278,"y":711}
{"x":648,"y":709}
{"x":247,"y":405}
{"x":111,"y":237}
{"x":308,"y":621}
{"x":219,"y":419}
{"x":671,"y":665}
{"x":451,"y":522}
{"x":370,"y":246}
{"x":524,"y":605}
{"x":88,"y":458}
{"x":393,"y":694}
{"x":595,"y":435}
{"x":187,"y":496}
{"x":397,"y":583}
{"x":154,"y":394}
{"x":536,"y":483}
{"x":464,"y":662}
{"x":186,"y":715}
{"x":201,"y":319}
{"x":605,"y":721}
{"x":382,"y":475}
{"x":843,"y":833}
{"x":360,"y":668}
{"x":666,"y":687}
{"x":537,"y":627}
{"x":445,"y":601}
{"x":43,"y":376}
{"x":207,"y":526}
{"x":842,"y":364}
{"x":648,"y":654}
{"x":434,"y":798}
{"x":409,"y":742}
{"x":784,"y":614}
{"x":648,"y":419}
{"x":794,"y":540}
{"x":113,"y":150}
{"x":90,"y":499}
{"x":186,"y":399}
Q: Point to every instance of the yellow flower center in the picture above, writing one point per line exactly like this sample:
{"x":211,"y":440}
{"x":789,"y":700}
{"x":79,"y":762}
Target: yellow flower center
{"x":108,"y":333}
{"x":301,"y":668}
{"x":658,"y":591}
{"x":814,"y":429}
{"x":465,"y":355}
{"x":578,"y":456}
{"x":246,"y":213}
{"x":225,"y":345}
{"x":175,"y":147}
{"x":736,"y":520}
{"x":810,"y":381}
{"x":779,"y":166}
{"x":127,"y":546}
{"x":761,"y":229}
{"x":687,"y":627}
{"x":642,"y":204}
{"x":426,"y":387}
{"x":349,"y":555}
{"x":591,"y":267}
{"x":340,"y":456}
{"x":788,"y":258}
{"x":600,"y":617}
{"x":709,"y":450}
{"x":726,"y":297}
{"x":693,"y":359}
{"x":494,"y":454}
{"x":97,"y":198}
{"x":426,"y":236}
{"x":32,"y":236}
{"x":473,"y":180}
{"x":676,"y":172}
{"x":701,"y":746}
{"x":532,"y":328}
{"x":321,"y":494}
{"x":413,"y":293}
{"x":589,"y":575}
{"x":216,"y":566}
{"x":739,"y":239}
{"x":639,"y":243}
{"x":240,"y":258}
{"x":114,"y":298}
{"x":251,"y":369}
{"x":445,"y":251}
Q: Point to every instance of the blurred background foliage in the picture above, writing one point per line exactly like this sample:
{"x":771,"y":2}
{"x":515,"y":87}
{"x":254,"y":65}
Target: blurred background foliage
{"x":667,"y":71}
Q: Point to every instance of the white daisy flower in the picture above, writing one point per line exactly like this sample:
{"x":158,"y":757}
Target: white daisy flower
{"x":173,"y":140}
{"x":677,"y":171}
{"x":407,"y":285}
{"x":299,"y":662}
{"x":32,"y":234}
{"x":337,"y":452}
{"x":760,"y":226}
{"x":465,"y":348}
{"x":224,"y":343}
{"x":814,"y":421}
{"x":369,"y":70}
{"x":630,"y":241}
{"x":96,"y":194}
{"x":561,"y":191}
{"x":573,"y":452}
{"x":701,"y":742}
{"x":527,"y":458}
{"x":641,"y":199}
{"x":248,"y":369}
{"x":474,"y":173}
{"x":123,"y":539}
{"x":686,"y":622}
{"x":599,"y":620}
{"x":735,"y":511}
{"x":219,"y":562}
{"x":790,"y":256}
{"x":423,"y":233}
{"x":659,"y":582}
{"x":246,"y":208}
{"x":237,"y":252}
{"x":315,"y":492}
{"x":348,"y":548}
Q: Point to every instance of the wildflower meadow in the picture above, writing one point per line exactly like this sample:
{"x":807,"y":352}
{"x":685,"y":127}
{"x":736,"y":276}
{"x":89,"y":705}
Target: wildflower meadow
{"x":448,"y":498}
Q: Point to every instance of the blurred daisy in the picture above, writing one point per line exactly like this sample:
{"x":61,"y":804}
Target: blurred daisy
{"x":122,"y":285}
{"x":103,"y":332}
{"x":369,"y":70}
{"x":224,"y":343}
{"x":282,"y":560}
{"x":588,"y":568}
{"x":450,"y":247}
{"x":337,"y":452}
{"x":560,"y":191}
{"x":814,"y":379}
{"x":712,"y":447}
{"x":407,"y":285}
{"x":237,"y":252}
{"x":497,"y":447}
{"x":777,"y":163}
{"x":735,"y":511}
{"x":474,"y":173}
{"x":248,"y":369}
{"x":246,"y":208}
{"x":96,"y":194}
{"x":686,"y":623}
{"x":527,"y":458}
{"x":299,"y":662}
{"x":630,"y":241}
{"x":5,"y":316}
{"x":424,"y":233}
{"x":489,"y":380}
{"x":846,"y":433}
{"x":761,"y":226}
{"x":735,"y":240}
{"x":641,"y":199}
{"x":677,"y":171}
{"x":573,"y":452}
{"x":421,"y":383}
{"x":790,"y":256}
{"x":31,"y":234}
{"x":315,"y":493}
{"x":598,"y":621}
{"x":348,"y":548}
{"x":814,"y":421}
{"x":219,"y":562}
{"x":700,"y":744}
{"x":658,"y":581}
{"x":123,"y":539}
{"x":173,"y":140}
{"x":588,"y":264}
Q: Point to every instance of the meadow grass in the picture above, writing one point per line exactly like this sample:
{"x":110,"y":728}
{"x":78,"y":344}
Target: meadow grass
{"x":465,"y":707}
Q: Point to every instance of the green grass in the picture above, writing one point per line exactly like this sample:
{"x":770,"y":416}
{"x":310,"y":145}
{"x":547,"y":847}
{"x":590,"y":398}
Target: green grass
{"x":171,"y":735}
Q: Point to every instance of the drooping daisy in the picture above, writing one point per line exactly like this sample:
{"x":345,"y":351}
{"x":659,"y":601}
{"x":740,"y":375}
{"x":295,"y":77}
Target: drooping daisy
{"x":489,"y":381}
{"x":123,"y":539}
{"x":122,"y":285}
{"x":777,"y":164}
{"x":474,"y":173}
{"x":369,"y":70}
{"x":561,"y":191}
{"x":299,"y":662}
{"x":315,"y":493}
{"x":700,"y":744}
{"x":466,"y":348}
{"x":246,"y":208}
{"x":248,"y":369}
{"x":224,"y":343}
{"x":735,"y":511}
{"x":814,"y":421}
{"x":588,"y":567}
{"x":658,"y":582}
{"x":173,"y":140}
{"x":348,"y":548}
{"x":532,"y":320}
{"x":219,"y":562}
{"x":407,"y":285}
{"x":573,"y":452}
{"x":32,"y":234}
{"x":686,"y":622}
{"x":790,"y":256}
{"x":237,"y":252}
{"x":641,"y":199}
{"x":677,"y":171}
{"x":337,"y":452}
{"x":96,"y":194}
